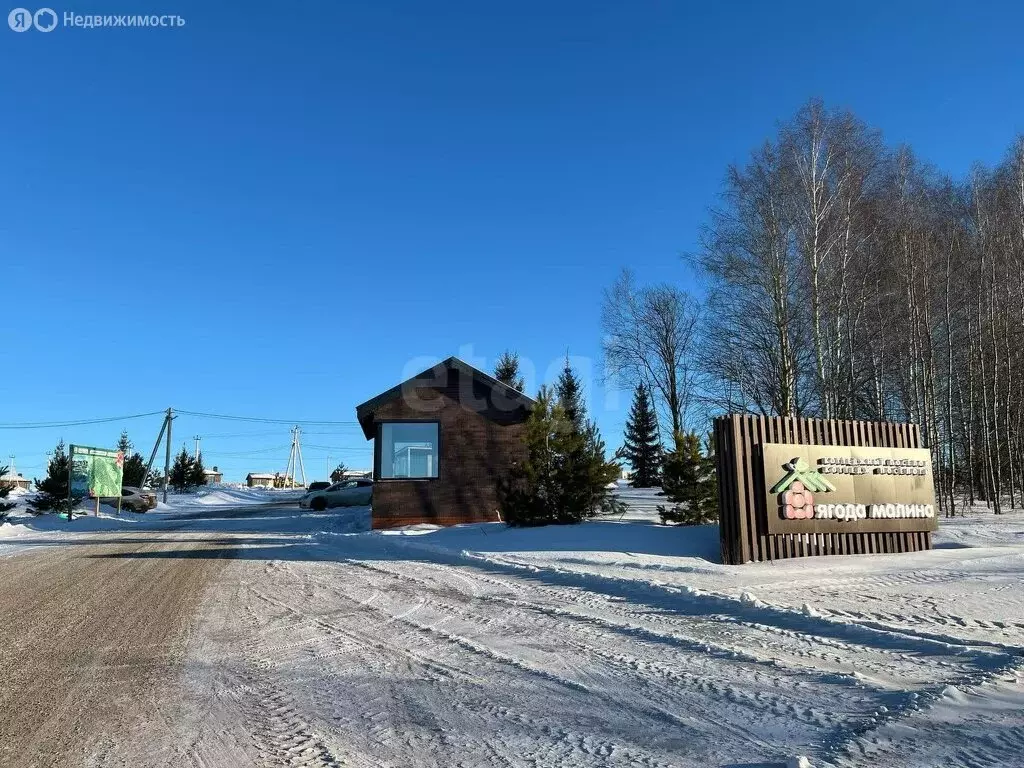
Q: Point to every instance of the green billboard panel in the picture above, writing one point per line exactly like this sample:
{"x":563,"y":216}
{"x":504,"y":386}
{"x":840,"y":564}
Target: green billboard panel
{"x":96,"y":471}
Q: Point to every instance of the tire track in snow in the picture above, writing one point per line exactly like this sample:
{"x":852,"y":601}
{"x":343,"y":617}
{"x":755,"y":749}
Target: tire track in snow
{"x":553,"y":621}
{"x":983,"y":663}
{"x":567,"y":741}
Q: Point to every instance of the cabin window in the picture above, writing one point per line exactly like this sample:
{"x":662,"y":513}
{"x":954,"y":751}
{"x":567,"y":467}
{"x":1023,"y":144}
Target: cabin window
{"x":408,"y":449}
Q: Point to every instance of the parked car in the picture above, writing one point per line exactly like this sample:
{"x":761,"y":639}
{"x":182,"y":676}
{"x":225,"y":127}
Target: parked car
{"x":347,"y":493}
{"x":319,"y":485}
{"x":133,"y":499}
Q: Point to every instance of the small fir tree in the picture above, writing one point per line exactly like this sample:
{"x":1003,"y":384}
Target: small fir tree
{"x":181,"y":471}
{"x":570,"y":397}
{"x":52,"y":490}
{"x":197,"y":474}
{"x":5,"y":490}
{"x":339,"y":473}
{"x":530,"y":495}
{"x":641,"y":447}
{"x":711,"y":474}
{"x":134,"y":473}
{"x":587,"y":474}
{"x":564,"y":476}
{"x":689,"y":482}
{"x":602,"y":475}
{"x":507,"y":370}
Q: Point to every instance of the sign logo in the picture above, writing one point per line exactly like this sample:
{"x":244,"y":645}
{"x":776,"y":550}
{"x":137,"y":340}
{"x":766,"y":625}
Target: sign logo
{"x":801,"y":472}
{"x":22,"y":20}
{"x":45,"y":20}
{"x":796,"y":490}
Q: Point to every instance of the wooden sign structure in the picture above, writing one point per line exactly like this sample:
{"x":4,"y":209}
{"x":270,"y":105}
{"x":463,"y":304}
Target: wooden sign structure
{"x":796,"y":487}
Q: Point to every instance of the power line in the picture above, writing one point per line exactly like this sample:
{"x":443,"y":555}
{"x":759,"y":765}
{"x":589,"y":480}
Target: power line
{"x":236,"y":435}
{"x":261,"y":420}
{"x":367,"y":449}
{"x":253,"y":452}
{"x":78,"y":423}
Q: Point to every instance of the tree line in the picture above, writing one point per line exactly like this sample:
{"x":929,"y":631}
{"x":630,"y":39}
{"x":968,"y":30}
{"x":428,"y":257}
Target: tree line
{"x":847,"y":279}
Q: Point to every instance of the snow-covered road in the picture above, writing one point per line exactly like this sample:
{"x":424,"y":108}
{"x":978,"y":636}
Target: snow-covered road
{"x":604,"y":644}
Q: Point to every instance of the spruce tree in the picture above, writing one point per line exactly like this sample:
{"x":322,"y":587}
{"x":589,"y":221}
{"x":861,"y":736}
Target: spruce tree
{"x":181,"y":471}
{"x":5,"y":490}
{"x":602,"y":474}
{"x":689,"y":482}
{"x":197,"y":474}
{"x":641,"y":446}
{"x":530,"y":494}
{"x":710,"y":475}
{"x":570,"y":397}
{"x":134,"y":465}
{"x":587,"y":473}
{"x":507,"y":370}
{"x":52,"y":490}
{"x":565,"y":476}
{"x":339,"y":473}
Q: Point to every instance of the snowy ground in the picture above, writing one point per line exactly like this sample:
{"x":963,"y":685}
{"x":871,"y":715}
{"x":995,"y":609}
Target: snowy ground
{"x":610,"y":643}
{"x":22,"y":524}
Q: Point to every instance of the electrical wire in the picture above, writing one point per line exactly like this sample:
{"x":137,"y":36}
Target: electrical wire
{"x":242,"y":454}
{"x":335,"y":448}
{"x":77,"y":423}
{"x":261,"y":420}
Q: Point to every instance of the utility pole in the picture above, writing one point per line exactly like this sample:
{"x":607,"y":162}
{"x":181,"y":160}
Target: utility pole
{"x":167,"y":455}
{"x":156,"y":447}
{"x":197,"y":438}
{"x":295,"y":460}
{"x":288,"y":474}
{"x":298,"y":453}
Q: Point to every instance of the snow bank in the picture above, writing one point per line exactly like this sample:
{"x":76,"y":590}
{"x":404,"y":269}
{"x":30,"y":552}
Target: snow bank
{"x":227,"y":496}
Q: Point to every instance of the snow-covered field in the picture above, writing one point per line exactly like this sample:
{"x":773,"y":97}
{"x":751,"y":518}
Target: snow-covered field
{"x":616,"y":642}
{"x":22,"y":523}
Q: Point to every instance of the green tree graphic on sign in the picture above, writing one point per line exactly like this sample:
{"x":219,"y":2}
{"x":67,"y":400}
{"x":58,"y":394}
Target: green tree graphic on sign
{"x":801,"y":470}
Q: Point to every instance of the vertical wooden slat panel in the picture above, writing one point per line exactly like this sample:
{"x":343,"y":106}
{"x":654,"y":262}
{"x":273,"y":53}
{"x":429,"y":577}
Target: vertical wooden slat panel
{"x":741,"y":501}
{"x":756,"y":549}
{"x":725,"y":516}
{"x":761,"y":438}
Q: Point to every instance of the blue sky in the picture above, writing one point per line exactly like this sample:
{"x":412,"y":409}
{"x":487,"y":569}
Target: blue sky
{"x":310,"y":201}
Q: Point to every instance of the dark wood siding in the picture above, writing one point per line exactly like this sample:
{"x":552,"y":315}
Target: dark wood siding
{"x":478,"y":444}
{"x":742,"y":514}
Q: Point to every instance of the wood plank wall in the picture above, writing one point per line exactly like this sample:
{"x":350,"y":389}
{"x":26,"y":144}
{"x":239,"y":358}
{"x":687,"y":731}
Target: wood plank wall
{"x":743,"y":518}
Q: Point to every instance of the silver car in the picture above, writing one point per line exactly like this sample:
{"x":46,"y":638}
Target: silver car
{"x":347,"y":493}
{"x":133,"y":499}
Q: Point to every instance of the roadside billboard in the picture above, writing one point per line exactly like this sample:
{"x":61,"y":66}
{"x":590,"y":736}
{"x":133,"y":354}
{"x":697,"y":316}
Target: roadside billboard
{"x":95,"y":472}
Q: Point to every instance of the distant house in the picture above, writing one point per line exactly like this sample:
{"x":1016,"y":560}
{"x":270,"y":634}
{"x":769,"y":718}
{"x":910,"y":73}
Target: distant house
{"x":260,"y":479}
{"x":271,"y":480}
{"x":213,"y":476}
{"x":16,"y":480}
{"x":357,"y":474}
{"x":442,"y":442}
